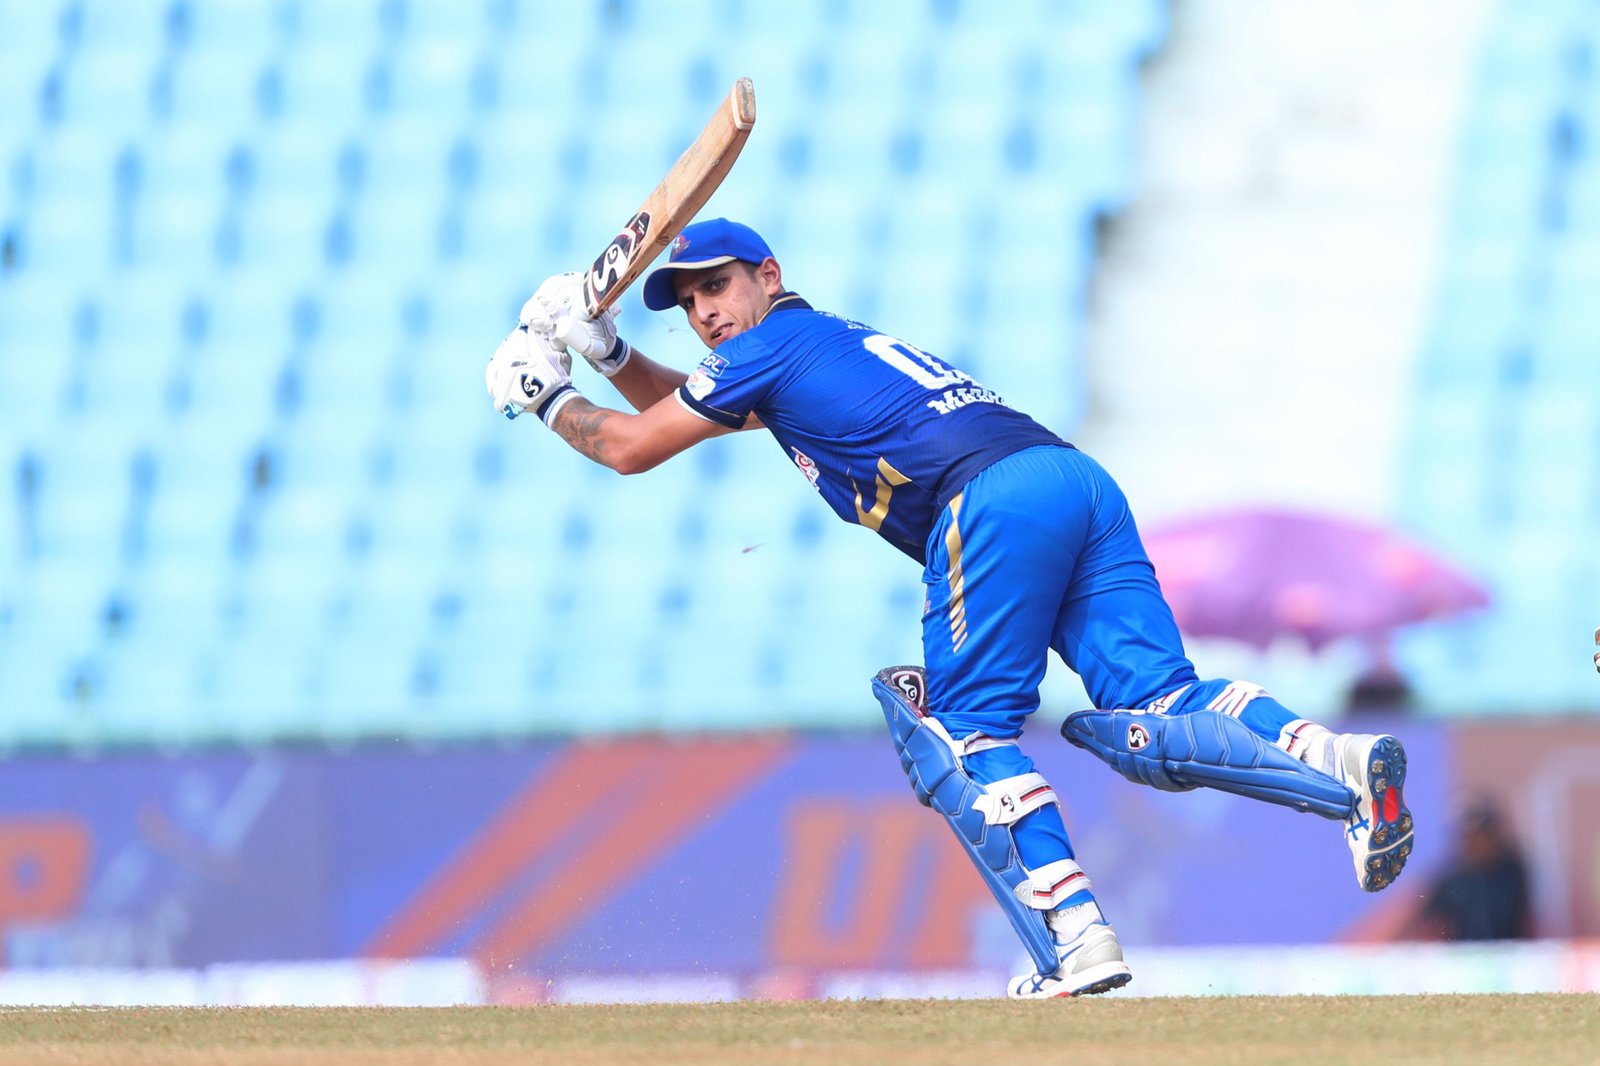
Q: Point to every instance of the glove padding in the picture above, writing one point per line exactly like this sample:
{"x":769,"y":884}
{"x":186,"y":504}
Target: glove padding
{"x":529,"y":373}
{"x":556,"y":310}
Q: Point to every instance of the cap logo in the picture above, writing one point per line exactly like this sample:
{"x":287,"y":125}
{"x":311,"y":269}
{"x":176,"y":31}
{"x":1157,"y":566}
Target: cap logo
{"x":679,"y":243}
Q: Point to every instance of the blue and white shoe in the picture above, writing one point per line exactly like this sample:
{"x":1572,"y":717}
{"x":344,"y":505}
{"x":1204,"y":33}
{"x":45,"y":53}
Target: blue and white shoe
{"x":1091,"y":963}
{"x":1379,"y":830}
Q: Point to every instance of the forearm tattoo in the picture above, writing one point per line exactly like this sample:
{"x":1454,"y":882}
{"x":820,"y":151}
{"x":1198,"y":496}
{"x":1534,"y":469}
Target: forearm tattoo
{"x":581,"y":424}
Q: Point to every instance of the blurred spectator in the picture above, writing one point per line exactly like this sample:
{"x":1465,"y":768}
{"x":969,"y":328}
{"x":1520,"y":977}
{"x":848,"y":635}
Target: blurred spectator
{"x":1381,"y":688}
{"x":1482,"y":894}
{"x":1379,"y":691}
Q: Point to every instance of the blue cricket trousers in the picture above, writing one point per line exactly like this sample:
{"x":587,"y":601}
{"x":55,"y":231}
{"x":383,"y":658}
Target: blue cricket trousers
{"x":1039,"y":552}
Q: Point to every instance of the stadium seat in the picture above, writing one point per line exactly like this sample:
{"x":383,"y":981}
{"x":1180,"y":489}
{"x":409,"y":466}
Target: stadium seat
{"x":433,"y":79}
{"x":126,"y":374}
{"x":219,"y":89}
{"x":36,"y":329}
{"x":39,"y":668}
{"x":145,"y":686}
{"x":107,"y":87}
{"x":1549,"y":452}
{"x":31,"y":29}
{"x":327,"y":84}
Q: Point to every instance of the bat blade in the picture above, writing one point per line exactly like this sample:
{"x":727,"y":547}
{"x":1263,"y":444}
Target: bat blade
{"x":684,"y":190}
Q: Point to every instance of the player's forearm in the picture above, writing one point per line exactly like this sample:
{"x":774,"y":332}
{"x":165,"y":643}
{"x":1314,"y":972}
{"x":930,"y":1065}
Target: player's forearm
{"x":608,"y":437}
{"x":643,"y":381}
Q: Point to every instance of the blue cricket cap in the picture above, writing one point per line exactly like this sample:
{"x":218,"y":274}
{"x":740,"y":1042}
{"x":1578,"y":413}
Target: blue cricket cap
{"x":702,"y":245}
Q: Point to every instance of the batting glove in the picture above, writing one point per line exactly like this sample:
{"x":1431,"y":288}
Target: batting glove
{"x":556,"y":310}
{"x":529,"y":373}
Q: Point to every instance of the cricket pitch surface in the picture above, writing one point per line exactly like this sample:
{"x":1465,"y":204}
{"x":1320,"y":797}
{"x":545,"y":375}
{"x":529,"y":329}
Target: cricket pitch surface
{"x":1234,"y":1031}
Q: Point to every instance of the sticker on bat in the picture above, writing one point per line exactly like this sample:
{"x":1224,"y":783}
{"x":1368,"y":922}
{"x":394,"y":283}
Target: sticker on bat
{"x":614,"y":260}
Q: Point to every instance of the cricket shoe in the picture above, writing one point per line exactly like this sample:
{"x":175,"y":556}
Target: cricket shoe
{"x":1091,"y":963}
{"x":1379,"y":830}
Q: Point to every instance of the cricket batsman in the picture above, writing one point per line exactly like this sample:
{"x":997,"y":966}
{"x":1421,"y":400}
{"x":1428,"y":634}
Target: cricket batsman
{"x":1027,"y":545}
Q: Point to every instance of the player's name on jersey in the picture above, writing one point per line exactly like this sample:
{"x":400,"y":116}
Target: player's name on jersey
{"x":956,"y":399}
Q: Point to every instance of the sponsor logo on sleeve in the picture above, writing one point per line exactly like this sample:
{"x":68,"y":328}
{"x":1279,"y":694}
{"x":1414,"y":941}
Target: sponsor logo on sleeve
{"x":699,"y":384}
{"x":808,"y":467}
{"x":713,"y":365}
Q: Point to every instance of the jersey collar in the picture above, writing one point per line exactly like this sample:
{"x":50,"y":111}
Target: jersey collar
{"x":786,"y":301}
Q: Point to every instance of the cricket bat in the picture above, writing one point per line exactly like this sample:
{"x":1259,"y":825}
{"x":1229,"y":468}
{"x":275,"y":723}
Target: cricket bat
{"x":685,"y":189}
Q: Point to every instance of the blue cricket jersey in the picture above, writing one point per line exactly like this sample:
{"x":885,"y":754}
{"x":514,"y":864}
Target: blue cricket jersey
{"x":886,"y":432}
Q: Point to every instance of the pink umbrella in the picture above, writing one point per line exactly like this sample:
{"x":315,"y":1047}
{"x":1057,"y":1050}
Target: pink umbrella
{"x":1254,"y":575}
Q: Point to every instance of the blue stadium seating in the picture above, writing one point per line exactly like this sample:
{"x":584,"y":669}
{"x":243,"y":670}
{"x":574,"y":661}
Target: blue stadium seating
{"x":259,"y":251}
{"x":1503,"y":468}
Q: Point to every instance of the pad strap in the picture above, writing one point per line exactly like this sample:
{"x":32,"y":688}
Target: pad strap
{"x":1234,"y":697}
{"x":1007,"y":800}
{"x":1169,"y":701}
{"x":966,"y":745}
{"x":1048,"y":886}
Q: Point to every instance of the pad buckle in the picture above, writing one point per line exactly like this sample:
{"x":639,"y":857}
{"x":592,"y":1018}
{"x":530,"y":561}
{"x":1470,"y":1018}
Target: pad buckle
{"x":1007,"y":800}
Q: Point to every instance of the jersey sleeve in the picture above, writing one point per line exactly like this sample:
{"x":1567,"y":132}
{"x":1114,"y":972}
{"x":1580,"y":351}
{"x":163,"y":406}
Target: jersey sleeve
{"x":731,"y":381}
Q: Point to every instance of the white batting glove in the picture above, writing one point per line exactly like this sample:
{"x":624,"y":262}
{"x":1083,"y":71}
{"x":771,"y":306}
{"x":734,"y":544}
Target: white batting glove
{"x":556,"y":309}
{"x":555,"y":292}
{"x":529,"y":373}
{"x":595,"y":340}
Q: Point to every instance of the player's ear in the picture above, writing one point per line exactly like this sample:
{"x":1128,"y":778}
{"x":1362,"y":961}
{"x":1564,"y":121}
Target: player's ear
{"x":771,"y":275}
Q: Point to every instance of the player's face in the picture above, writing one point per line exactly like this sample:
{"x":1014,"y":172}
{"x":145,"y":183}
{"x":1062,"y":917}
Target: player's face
{"x":724,"y":301}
